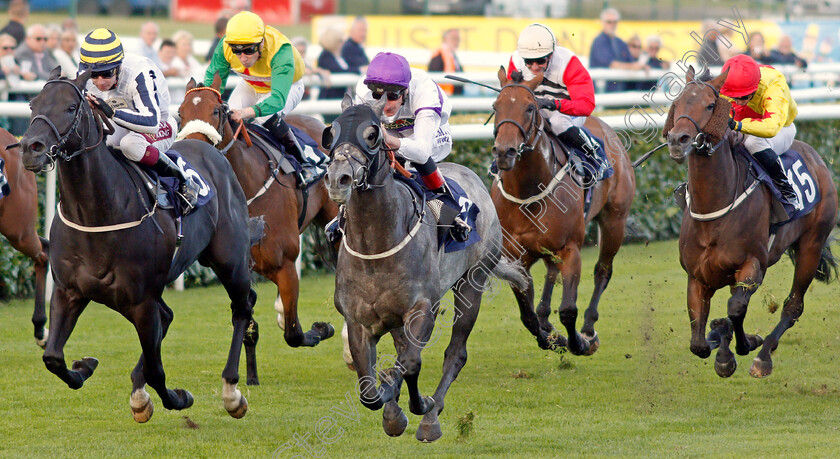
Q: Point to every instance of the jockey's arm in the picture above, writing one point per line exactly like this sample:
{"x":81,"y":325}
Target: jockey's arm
{"x":282,"y":77}
{"x":777,"y":106}
{"x":581,"y":90}
{"x":218,"y":64}
{"x":146,"y":116}
{"x":418,"y":147}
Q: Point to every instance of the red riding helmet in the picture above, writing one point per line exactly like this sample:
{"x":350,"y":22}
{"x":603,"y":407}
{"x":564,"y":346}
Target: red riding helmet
{"x":743,"y":77}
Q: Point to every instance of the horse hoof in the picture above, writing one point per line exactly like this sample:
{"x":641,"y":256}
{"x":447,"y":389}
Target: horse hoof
{"x":760,"y":368}
{"x":142,"y":407}
{"x":428,"y":432}
{"x":42,"y":342}
{"x":594,"y":342}
{"x":325,"y":330}
{"x":239,"y":412}
{"x":252,"y":382}
{"x":394,"y":420}
{"x":86,"y":366}
{"x":186,"y":396}
{"x":725,"y":369}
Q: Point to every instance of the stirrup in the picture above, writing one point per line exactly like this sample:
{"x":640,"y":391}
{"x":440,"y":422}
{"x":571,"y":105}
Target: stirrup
{"x":460,"y":230}
{"x":189,"y":192}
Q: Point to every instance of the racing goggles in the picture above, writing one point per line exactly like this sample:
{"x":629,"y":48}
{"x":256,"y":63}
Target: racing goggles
{"x":538,"y":61}
{"x":392,"y":96}
{"x":104,"y":74}
{"x":248,"y":49}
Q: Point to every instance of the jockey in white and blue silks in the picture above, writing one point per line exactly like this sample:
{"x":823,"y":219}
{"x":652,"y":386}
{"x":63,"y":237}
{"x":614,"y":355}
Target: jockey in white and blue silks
{"x":132,"y":92}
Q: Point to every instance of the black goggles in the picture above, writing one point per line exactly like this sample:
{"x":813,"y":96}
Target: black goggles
{"x":245,"y":49}
{"x":103,"y":74}
{"x":392,"y":96}
{"x":538,"y":61}
{"x":744,"y":98}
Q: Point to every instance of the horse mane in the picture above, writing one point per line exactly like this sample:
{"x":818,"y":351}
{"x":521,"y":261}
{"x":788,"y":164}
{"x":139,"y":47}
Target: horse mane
{"x":517,"y":77}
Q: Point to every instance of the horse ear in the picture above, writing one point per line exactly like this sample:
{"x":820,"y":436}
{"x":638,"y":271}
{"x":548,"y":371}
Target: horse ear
{"x":689,"y":75}
{"x":191,"y":84}
{"x":327,"y":138}
{"x":82,"y":79}
{"x":378,"y":106}
{"x":56,"y":72}
{"x":346,"y":102}
{"x":534,"y":82}
{"x":503,"y":79}
{"x":669,"y":122}
{"x":718,"y":82}
{"x":217,"y":81}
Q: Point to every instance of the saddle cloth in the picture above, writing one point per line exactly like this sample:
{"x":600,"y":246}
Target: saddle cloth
{"x":467,"y":210}
{"x":303,"y":139}
{"x":801,"y":180}
{"x":171,"y":185}
{"x":4,"y":184}
{"x":597,"y":168}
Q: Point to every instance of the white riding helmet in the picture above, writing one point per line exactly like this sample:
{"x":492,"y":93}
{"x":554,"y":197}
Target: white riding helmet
{"x":535,"y":41}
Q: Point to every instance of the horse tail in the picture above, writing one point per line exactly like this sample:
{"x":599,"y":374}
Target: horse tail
{"x":45,"y":244}
{"x":827,"y":270}
{"x":328,"y":253}
{"x":513,"y":272}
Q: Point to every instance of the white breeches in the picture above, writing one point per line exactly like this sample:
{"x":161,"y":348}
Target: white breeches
{"x":244,"y":95}
{"x":561,"y":122}
{"x":779,"y":144}
{"x":133,"y":144}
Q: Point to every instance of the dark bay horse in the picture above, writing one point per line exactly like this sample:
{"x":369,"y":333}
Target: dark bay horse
{"x":18,"y":218}
{"x":112,"y":245}
{"x":541,"y":207}
{"x":272,"y":196}
{"x":732,"y":246}
{"x":391,"y":275}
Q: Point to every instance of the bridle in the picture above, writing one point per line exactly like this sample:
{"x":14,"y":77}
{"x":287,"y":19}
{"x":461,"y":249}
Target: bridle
{"x":533,"y":131}
{"x":701,"y":142}
{"x":59,"y":149}
{"x":223,"y":115}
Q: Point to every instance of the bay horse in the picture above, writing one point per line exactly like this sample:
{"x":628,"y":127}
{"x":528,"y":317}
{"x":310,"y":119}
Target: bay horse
{"x":541,"y":208}
{"x":272,"y":196}
{"x":725,"y":237}
{"x":18,"y":218}
{"x":125,"y":266}
{"x":391,"y":275}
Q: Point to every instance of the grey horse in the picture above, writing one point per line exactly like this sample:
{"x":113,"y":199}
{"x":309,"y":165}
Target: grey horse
{"x":391,"y":275}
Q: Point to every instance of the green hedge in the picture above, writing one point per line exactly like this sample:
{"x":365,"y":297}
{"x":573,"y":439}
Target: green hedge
{"x":654,"y":215}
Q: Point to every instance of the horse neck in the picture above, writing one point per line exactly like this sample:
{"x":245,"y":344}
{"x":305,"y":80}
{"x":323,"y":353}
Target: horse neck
{"x":532,"y":172}
{"x":712,"y":180}
{"x":379,"y":218}
{"x":93,"y":187}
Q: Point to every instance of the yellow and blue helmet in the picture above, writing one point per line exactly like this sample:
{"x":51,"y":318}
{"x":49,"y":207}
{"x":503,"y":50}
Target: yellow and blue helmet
{"x":101,"y":50}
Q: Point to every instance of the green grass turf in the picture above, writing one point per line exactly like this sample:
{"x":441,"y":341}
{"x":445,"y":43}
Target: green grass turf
{"x":642,"y":394}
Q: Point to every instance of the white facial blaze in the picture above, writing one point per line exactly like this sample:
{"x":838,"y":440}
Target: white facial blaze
{"x":196,"y":100}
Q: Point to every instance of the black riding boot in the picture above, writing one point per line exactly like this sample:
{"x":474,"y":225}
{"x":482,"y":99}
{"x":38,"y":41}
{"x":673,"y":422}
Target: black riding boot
{"x":334,"y":229}
{"x":460,"y":230}
{"x":282,"y":132}
{"x":578,"y":138}
{"x":189,"y":188}
{"x":773,"y":165}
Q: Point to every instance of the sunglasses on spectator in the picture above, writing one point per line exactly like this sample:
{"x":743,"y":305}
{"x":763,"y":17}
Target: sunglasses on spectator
{"x":611,"y":21}
{"x":392,"y":96}
{"x":538,"y":61}
{"x":7,"y":48}
{"x":103,"y":74}
{"x":41,"y":38}
{"x":245,"y":49}
{"x":635,"y":46}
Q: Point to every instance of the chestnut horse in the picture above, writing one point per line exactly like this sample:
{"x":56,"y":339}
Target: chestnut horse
{"x":111,"y":244}
{"x":733,"y":247}
{"x":204,"y":117}
{"x":18,"y":217}
{"x":541,"y":208}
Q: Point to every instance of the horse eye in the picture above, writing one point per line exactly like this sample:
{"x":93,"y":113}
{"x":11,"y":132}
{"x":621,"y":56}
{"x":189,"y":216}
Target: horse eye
{"x":216,"y":111}
{"x":710,"y":107}
{"x":71,"y":108}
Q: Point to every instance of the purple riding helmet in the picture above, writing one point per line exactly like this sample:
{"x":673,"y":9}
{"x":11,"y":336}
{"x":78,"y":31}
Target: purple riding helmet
{"x":388,"y":69}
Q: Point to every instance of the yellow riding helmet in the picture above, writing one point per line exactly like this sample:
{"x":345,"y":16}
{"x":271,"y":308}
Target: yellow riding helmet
{"x":101,"y":50}
{"x":245,"y":28}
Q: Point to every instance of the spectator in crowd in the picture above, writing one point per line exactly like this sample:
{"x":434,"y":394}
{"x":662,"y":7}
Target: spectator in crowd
{"x":187,"y":65}
{"x":783,"y":54}
{"x":718,"y":45}
{"x":35,"y":61}
{"x":634,"y":44}
{"x":651,"y":53}
{"x":445,"y":60}
{"x":219,"y":28}
{"x":312,"y":70}
{"x":9,"y":71}
{"x":331,"y":42}
{"x":149,"y":33}
{"x":65,"y":54}
{"x":53,"y":37}
{"x":353,"y":51}
{"x":18,"y":13}
{"x":166,"y":56}
{"x":756,"y":49}
{"x":70,"y":24}
{"x":609,"y":51}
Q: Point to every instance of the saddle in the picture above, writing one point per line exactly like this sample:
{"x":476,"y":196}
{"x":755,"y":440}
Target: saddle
{"x":279,"y":160}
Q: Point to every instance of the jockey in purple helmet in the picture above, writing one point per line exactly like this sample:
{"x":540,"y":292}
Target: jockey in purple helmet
{"x":415,"y":119}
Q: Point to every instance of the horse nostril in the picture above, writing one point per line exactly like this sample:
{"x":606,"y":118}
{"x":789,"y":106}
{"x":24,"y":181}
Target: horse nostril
{"x":684,"y":139}
{"x":344,"y":180}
